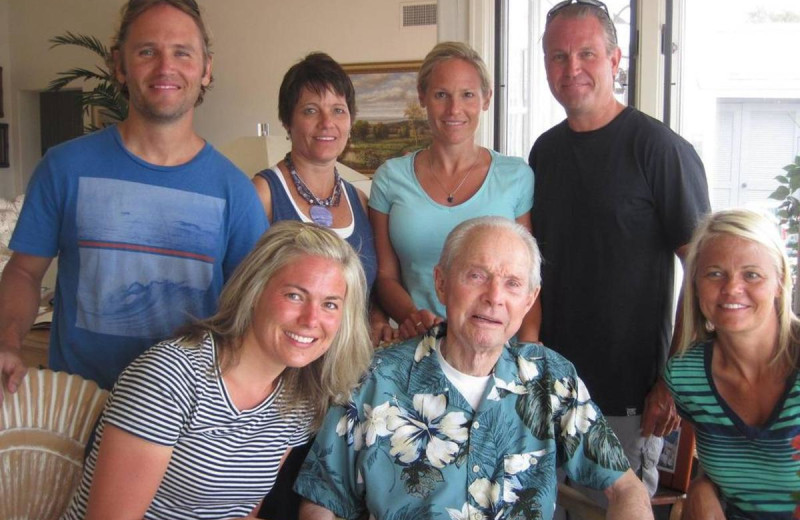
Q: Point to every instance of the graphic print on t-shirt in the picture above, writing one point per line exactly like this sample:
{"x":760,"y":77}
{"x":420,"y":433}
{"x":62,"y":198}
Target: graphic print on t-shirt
{"x":146,"y":256}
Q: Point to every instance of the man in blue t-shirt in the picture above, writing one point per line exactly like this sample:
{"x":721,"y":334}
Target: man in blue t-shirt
{"x":147,"y":219}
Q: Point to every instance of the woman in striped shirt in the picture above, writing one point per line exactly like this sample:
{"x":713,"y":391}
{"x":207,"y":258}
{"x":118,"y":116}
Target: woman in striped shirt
{"x":735,"y":375}
{"x":198,"y":426}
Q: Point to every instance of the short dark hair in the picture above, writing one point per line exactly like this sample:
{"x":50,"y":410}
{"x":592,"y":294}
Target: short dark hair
{"x":317,"y":72}
{"x":132,"y":10}
{"x":580,"y":10}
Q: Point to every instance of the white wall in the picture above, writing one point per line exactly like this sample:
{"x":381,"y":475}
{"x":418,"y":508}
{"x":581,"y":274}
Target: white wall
{"x":8,"y":176}
{"x":254,"y":42}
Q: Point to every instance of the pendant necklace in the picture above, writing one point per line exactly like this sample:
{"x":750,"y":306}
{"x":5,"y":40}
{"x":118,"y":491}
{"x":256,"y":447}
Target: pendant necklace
{"x":451,"y":194}
{"x":320,"y":214}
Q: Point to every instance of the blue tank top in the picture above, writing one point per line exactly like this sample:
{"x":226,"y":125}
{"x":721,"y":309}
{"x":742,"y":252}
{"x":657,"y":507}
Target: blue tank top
{"x":283,"y":208}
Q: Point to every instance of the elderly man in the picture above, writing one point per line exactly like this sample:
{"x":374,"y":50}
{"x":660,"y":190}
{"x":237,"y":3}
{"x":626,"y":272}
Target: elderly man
{"x":617,"y":196}
{"x":147,"y":219}
{"x":460,"y":423}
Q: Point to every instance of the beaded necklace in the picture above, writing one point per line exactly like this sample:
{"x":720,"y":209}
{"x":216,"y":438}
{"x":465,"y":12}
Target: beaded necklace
{"x":320,"y":214}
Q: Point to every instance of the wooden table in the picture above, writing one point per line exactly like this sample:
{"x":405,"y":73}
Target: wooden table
{"x":35,"y":347}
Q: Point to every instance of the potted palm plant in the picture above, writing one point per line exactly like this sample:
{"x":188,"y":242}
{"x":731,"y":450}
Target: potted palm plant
{"x":104,"y":96}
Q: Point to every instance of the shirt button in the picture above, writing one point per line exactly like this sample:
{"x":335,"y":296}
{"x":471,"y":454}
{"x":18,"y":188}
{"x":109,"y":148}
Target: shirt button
{"x":476,"y":425}
{"x":476,"y":468}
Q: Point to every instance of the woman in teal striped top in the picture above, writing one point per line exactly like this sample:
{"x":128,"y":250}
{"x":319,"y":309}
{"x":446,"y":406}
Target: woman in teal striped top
{"x":735,"y":374}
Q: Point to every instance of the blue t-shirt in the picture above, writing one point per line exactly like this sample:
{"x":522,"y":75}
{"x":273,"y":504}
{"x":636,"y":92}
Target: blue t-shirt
{"x":142,"y":249}
{"x":418,"y":225}
{"x":409,"y":445}
{"x":358,"y":234}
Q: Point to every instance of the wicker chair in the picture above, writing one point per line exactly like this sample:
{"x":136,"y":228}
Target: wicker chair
{"x":44,"y":428}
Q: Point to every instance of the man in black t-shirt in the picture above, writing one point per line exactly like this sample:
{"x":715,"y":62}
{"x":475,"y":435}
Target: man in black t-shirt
{"x":617,"y":196}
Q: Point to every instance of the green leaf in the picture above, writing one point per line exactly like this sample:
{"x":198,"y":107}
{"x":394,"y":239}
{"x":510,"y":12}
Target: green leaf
{"x":91,"y":43}
{"x":534,"y":408}
{"x":794,"y":182}
{"x":782,"y":179}
{"x":781,"y":193}
{"x":420,"y":479}
{"x":104,"y":93}
{"x":601,"y":445}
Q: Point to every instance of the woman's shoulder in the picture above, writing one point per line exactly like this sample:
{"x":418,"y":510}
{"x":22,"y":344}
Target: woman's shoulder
{"x":396,"y":166}
{"x":174,"y":359}
{"x":509,"y":164}
{"x":691,"y":361}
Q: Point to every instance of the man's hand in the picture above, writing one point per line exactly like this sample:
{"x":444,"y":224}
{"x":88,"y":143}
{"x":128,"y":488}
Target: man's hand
{"x":382,"y":333}
{"x":702,"y":502}
{"x":12,"y":370}
{"x":418,"y":322}
{"x":660,"y":416}
{"x":380,"y":330}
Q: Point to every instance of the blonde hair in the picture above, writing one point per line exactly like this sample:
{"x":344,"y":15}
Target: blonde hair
{"x":452,"y":50}
{"x":759,"y":229}
{"x":331,"y":377}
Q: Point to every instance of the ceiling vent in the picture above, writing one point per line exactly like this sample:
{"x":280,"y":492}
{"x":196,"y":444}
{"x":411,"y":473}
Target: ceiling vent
{"x":415,"y":15}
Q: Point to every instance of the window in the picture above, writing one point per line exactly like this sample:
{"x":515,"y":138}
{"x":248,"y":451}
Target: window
{"x":737,"y":93}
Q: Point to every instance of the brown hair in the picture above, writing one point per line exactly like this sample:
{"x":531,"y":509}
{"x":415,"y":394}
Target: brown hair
{"x":317,"y":72}
{"x":580,"y":10}
{"x":132,"y":10}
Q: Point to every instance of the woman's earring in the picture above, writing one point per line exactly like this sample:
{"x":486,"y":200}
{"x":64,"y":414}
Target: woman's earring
{"x":710,"y":326}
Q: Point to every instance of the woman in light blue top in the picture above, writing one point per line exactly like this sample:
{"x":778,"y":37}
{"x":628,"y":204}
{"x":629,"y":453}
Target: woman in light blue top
{"x":417,"y":200}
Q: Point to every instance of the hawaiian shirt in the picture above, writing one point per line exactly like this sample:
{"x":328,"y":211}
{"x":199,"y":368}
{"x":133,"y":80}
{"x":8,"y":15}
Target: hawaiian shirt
{"x":408,"y":445}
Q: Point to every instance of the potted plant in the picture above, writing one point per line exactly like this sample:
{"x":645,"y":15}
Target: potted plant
{"x":789,"y":215}
{"x":105,"y":96}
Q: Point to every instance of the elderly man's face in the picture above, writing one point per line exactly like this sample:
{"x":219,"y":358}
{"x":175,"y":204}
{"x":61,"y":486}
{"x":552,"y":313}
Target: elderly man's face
{"x":486,"y":290}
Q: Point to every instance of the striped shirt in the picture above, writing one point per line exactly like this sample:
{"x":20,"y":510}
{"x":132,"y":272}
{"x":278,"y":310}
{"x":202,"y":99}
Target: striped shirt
{"x":224,"y":460}
{"x":753,"y":466}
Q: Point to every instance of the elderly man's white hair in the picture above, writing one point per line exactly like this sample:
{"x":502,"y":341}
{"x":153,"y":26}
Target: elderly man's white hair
{"x":458,"y":239}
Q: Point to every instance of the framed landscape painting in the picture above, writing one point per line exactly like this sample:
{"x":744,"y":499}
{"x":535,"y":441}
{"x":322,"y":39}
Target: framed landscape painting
{"x":389,"y":120}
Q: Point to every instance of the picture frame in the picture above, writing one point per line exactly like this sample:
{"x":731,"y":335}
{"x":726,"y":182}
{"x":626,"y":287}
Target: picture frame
{"x":677,"y":457}
{"x":389,"y":121}
{"x":4,"y":163}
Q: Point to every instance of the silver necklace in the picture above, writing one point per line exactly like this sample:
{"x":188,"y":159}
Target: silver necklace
{"x":451,"y":193}
{"x":320,"y":214}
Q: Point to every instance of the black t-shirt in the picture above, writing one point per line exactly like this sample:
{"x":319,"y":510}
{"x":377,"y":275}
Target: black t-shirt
{"x":610,"y":208}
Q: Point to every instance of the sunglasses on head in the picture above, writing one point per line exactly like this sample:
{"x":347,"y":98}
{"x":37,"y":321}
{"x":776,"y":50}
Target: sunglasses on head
{"x":561,"y":5}
{"x":191,"y":4}
{"x":593,"y":3}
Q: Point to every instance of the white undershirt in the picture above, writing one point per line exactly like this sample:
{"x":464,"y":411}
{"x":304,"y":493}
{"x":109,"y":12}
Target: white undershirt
{"x":471,"y":387}
{"x":344,"y":232}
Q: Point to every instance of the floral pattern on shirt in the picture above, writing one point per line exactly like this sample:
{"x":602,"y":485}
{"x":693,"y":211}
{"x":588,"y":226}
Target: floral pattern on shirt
{"x":408,"y":445}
